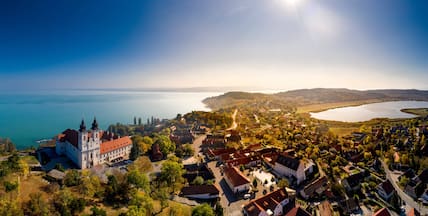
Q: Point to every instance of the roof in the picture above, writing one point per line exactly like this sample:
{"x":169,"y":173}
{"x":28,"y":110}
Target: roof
{"x":287,"y":161}
{"x":235,"y":177}
{"x":312,"y":187}
{"x":70,"y":136}
{"x":382,"y":212}
{"x":199,"y":189}
{"x":115,"y":144}
{"x":424,"y":176}
{"x":354,"y":180}
{"x":413,"y":212}
{"x":325,"y":209}
{"x":297,"y":211}
{"x":56,"y":174}
{"x":387,"y":187}
{"x":264,"y":203}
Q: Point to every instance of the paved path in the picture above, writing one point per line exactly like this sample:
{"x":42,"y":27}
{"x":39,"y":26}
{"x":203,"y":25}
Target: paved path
{"x":234,"y":124}
{"x":406,"y":198}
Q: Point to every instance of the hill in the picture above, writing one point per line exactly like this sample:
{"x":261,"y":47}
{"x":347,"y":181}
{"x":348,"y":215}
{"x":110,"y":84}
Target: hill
{"x":305,"y":97}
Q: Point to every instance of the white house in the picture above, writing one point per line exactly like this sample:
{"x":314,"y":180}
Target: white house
{"x":292,"y":167}
{"x":236,"y":181}
{"x":275,"y":203}
{"x":87,"y":148}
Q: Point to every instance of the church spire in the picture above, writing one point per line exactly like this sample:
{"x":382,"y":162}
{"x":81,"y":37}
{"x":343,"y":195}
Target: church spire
{"x":82,"y":126}
{"x":95,"y":124}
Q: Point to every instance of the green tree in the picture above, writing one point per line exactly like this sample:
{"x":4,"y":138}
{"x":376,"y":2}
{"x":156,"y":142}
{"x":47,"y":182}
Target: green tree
{"x":142,"y":164}
{"x":165,"y":144}
{"x":172,"y":174}
{"x":198,"y":181}
{"x":36,"y":206}
{"x":98,"y":211}
{"x":72,"y":178}
{"x":135,"y":151}
{"x":203,"y":210}
{"x":255,"y":183}
{"x":139,"y":180}
{"x":283,"y":183}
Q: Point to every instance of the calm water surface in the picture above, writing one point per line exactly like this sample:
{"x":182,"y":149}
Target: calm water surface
{"x":29,"y":116}
{"x":370,"y":111}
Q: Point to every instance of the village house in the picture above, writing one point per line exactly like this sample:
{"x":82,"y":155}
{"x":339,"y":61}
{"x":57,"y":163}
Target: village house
{"x":298,"y":211}
{"x":382,"y":212}
{"x":195,"y":170}
{"x":55,"y":176}
{"x":292,"y":167}
{"x":349,"y":206}
{"x":318,"y":186}
{"x":236,"y":181}
{"x":274,"y":203}
{"x":385,"y":190}
{"x":87,"y":148}
{"x":352,"y":182}
{"x":203,"y":192}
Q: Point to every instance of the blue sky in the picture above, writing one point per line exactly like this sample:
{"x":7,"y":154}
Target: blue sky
{"x":270,"y":44}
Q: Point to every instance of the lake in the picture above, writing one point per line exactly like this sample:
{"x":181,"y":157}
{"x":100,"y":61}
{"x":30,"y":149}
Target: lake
{"x":29,"y":116}
{"x":370,"y":111}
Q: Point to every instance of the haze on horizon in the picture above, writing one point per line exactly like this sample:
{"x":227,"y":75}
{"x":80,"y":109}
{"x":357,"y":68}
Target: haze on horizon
{"x":270,"y":44}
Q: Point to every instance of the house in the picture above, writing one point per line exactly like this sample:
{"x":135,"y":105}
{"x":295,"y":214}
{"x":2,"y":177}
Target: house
{"x":87,"y":148}
{"x":298,"y":211}
{"x":382,"y":212}
{"x":325,"y":209}
{"x":275,"y":203}
{"x":414,"y":188}
{"x":195,"y":170}
{"x":292,"y":167}
{"x":413,"y":212}
{"x":156,"y":153}
{"x":236,"y":181}
{"x":352,"y":182}
{"x":200,"y":192}
{"x":317,"y":186}
{"x":349,"y":206}
{"x":55,"y":176}
{"x":385,"y":190}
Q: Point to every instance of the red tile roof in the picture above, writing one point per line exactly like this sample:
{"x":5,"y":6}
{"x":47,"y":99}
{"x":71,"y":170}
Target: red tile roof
{"x":235,"y":177}
{"x":115,"y":144}
{"x":269,"y":201}
{"x":382,"y":212}
{"x":297,"y":211}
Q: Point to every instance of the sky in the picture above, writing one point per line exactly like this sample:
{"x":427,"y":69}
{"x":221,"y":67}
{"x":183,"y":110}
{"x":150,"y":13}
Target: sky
{"x":260,"y":44}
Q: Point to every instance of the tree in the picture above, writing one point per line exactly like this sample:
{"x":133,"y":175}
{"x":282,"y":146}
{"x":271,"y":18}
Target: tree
{"x":135,"y":120}
{"x":98,"y":211}
{"x":203,"y":210}
{"x":90,"y":184}
{"x":142,"y":164}
{"x":188,"y":150}
{"x":139,"y":180}
{"x":198,"y":181}
{"x":165,"y":144}
{"x":141,"y":200}
{"x":135,"y":151}
{"x":36,"y":206}
{"x":218,"y":209}
{"x":283,"y":183}
{"x":145,"y":143}
{"x":255,"y":183}
{"x":72,"y":178}
{"x":172,"y":173}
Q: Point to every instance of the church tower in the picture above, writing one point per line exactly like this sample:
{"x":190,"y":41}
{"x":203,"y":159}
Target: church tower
{"x":83,"y":135}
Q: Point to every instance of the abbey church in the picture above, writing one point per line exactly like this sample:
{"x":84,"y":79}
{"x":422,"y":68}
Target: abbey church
{"x":87,"y":148}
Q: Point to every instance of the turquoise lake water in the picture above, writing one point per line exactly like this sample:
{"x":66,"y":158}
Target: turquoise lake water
{"x":29,"y":116}
{"x":370,"y":111}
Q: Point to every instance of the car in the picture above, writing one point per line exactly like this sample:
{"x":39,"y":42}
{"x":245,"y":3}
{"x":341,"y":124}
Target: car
{"x":247,"y":196}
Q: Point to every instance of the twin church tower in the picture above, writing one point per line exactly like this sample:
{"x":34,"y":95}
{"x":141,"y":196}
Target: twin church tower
{"x":88,"y":148}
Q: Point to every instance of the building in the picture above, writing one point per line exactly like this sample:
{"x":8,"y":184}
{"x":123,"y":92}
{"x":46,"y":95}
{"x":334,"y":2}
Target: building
{"x":275,"y":203}
{"x":236,"y":181}
{"x":292,"y":167}
{"x":382,"y":212}
{"x":318,"y":186}
{"x":298,"y":211}
{"x":87,"y":148}
{"x":385,"y":190}
{"x":200,"y":192}
{"x":352,"y":183}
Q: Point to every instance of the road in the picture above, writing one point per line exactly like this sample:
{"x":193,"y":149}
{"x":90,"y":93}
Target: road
{"x":406,"y":198}
{"x":234,"y":124}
